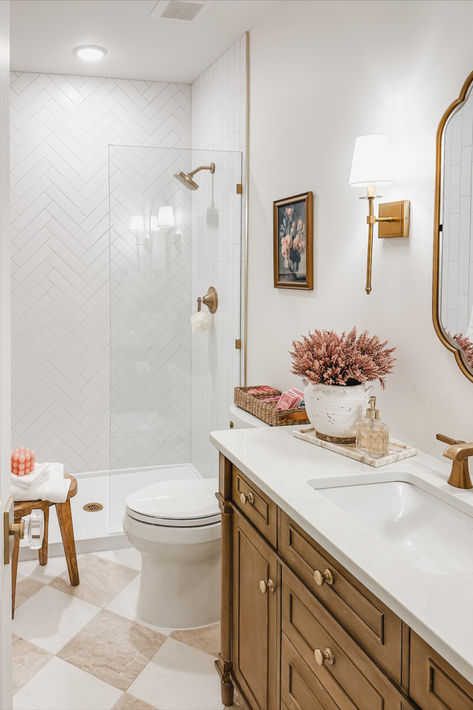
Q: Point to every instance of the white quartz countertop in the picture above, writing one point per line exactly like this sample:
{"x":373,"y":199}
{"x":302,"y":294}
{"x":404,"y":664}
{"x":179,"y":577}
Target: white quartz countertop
{"x":439,"y":607}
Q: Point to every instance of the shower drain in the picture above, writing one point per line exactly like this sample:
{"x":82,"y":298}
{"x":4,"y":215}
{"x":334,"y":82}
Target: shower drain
{"x":93,"y":507}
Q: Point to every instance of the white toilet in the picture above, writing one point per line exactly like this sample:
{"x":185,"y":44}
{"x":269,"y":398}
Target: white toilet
{"x":176,"y":527}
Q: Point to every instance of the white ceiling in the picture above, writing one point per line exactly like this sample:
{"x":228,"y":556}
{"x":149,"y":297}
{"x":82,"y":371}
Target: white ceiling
{"x":44,"y":32}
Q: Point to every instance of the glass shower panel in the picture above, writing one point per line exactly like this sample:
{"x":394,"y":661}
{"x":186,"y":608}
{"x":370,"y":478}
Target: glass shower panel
{"x":169,"y":386}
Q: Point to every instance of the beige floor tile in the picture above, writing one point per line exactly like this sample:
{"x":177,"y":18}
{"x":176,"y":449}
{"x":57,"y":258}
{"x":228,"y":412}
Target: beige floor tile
{"x":128,"y":702}
{"x":27,"y":660}
{"x":205,"y":639}
{"x":100,"y":580}
{"x":25,"y":588}
{"x":112,"y":648}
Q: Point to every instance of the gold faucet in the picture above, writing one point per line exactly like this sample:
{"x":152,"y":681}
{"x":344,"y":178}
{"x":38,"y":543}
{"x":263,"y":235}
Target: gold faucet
{"x":458,"y":451}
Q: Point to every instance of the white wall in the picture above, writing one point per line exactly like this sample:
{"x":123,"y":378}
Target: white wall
{"x":322,"y":73}
{"x":218,"y":124}
{"x":5,"y":353}
{"x":61,"y":129}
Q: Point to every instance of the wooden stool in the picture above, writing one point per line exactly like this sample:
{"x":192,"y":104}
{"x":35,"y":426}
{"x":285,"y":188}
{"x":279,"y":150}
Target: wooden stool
{"x":64,"y":517}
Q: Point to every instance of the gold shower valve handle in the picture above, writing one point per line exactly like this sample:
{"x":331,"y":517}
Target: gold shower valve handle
{"x":211,"y":299}
{"x":322,"y":577}
{"x":324,"y":657}
{"x":265,"y":586}
{"x":247,"y":498}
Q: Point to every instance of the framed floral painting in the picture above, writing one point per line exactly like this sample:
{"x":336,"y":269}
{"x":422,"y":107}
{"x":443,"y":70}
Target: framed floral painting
{"x":293,"y":239}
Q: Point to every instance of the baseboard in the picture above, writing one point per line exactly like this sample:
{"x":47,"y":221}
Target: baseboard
{"x":98,"y":544}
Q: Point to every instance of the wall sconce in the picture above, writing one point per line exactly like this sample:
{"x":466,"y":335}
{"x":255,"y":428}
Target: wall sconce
{"x":144,"y":228}
{"x":139,"y":224}
{"x":372,"y":163}
{"x":166,"y":218}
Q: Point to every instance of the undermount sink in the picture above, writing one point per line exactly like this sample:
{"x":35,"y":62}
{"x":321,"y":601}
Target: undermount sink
{"x":429,"y":533}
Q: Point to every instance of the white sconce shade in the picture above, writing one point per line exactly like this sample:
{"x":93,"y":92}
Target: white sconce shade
{"x":372,"y":160}
{"x":166,"y":217}
{"x":154,"y":223}
{"x":137,"y":223}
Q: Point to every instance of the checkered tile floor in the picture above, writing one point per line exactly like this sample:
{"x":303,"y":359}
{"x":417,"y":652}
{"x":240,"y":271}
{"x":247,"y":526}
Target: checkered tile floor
{"x":84,"y":648}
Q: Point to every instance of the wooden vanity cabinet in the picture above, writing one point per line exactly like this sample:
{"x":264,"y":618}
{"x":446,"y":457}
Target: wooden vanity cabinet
{"x":371,"y":623}
{"x":434,"y":684}
{"x":299,"y":632}
{"x":256,"y":591}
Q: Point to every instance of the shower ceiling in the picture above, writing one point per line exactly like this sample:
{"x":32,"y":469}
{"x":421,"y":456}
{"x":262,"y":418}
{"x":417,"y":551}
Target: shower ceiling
{"x":141,"y":43}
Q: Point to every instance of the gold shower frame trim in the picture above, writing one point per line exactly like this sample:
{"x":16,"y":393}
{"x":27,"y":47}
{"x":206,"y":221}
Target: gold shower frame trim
{"x":246,"y":221}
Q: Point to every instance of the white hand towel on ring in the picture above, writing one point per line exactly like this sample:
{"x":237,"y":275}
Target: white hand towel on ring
{"x":200,"y":321}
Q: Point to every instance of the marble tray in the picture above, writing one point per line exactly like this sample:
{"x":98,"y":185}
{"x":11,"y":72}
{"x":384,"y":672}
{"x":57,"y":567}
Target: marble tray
{"x":397,"y":449}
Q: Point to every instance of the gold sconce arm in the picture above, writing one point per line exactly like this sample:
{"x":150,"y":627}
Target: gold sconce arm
{"x":394,"y":224}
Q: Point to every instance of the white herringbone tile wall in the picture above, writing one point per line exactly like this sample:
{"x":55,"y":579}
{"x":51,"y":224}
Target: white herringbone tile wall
{"x":61,"y":127}
{"x":150,"y":308}
{"x":218,"y":124}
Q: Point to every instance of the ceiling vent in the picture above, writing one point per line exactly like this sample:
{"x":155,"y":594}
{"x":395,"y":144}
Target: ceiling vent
{"x":177,"y":9}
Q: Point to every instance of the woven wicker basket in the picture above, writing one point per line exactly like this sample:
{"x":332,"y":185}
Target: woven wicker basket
{"x":266,"y":411}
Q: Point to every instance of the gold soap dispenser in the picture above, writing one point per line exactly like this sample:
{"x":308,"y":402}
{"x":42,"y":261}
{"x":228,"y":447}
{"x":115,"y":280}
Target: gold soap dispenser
{"x":372,"y":436}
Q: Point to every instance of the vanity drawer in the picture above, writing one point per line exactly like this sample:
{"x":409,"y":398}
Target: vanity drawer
{"x":352,"y":680}
{"x":300,"y":688}
{"x":433,"y":683}
{"x":372,"y":625}
{"x":255,"y":505}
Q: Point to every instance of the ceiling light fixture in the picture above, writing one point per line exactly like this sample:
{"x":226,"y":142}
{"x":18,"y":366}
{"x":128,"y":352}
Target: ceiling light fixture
{"x":89,"y":52}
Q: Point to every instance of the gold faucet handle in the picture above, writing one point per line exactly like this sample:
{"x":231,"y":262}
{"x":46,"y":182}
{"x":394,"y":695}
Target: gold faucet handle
{"x":458,"y":451}
{"x":448,"y":439}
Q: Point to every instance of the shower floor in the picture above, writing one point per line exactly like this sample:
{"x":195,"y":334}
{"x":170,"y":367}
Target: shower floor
{"x":110,"y":489}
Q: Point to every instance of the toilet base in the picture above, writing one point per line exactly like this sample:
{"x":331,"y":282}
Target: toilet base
{"x":180,"y":574}
{"x":179,"y":595}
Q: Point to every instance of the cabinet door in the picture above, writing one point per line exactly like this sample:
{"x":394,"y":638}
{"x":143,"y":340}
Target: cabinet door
{"x":255,"y":616}
{"x":434,"y":684}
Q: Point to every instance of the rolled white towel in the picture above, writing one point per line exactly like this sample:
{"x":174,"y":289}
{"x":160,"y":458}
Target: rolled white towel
{"x":55,"y":488}
{"x":200,"y":321}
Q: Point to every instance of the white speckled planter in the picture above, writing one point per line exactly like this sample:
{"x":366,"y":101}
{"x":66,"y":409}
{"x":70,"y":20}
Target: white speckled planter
{"x":334,"y":410}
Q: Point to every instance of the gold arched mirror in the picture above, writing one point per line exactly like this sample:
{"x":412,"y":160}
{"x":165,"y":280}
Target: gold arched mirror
{"x":453,"y":230}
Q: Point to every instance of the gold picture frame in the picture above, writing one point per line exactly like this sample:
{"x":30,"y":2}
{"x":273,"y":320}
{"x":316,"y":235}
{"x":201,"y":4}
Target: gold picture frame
{"x":293,"y":242}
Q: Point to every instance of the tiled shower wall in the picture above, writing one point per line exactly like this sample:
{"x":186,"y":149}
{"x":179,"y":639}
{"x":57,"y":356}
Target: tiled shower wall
{"x":61,"y":127}
{"x":457,"y":254}
{"x":150,"y":286}
{"x":219,"y":124}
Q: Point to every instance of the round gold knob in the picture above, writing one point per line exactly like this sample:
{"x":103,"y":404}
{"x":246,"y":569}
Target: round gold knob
{"x":17,"y":529}
{"x":265,"y":586}
{"x":248,"y":498}
{"x":324,"y":657}
{"x":321,"y":577}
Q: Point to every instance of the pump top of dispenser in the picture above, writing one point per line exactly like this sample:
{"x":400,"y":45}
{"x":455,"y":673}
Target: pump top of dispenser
{"x":372,"y":412}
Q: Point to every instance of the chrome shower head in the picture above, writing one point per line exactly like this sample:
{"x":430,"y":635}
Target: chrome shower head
{"x":186,"y":178}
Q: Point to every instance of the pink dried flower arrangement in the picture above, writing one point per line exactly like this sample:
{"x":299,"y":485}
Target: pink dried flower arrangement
{"x":466,"y":345}
{"x":324,"y":357}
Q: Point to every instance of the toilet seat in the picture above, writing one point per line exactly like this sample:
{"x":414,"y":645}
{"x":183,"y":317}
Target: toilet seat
{"x":183,"y":503}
